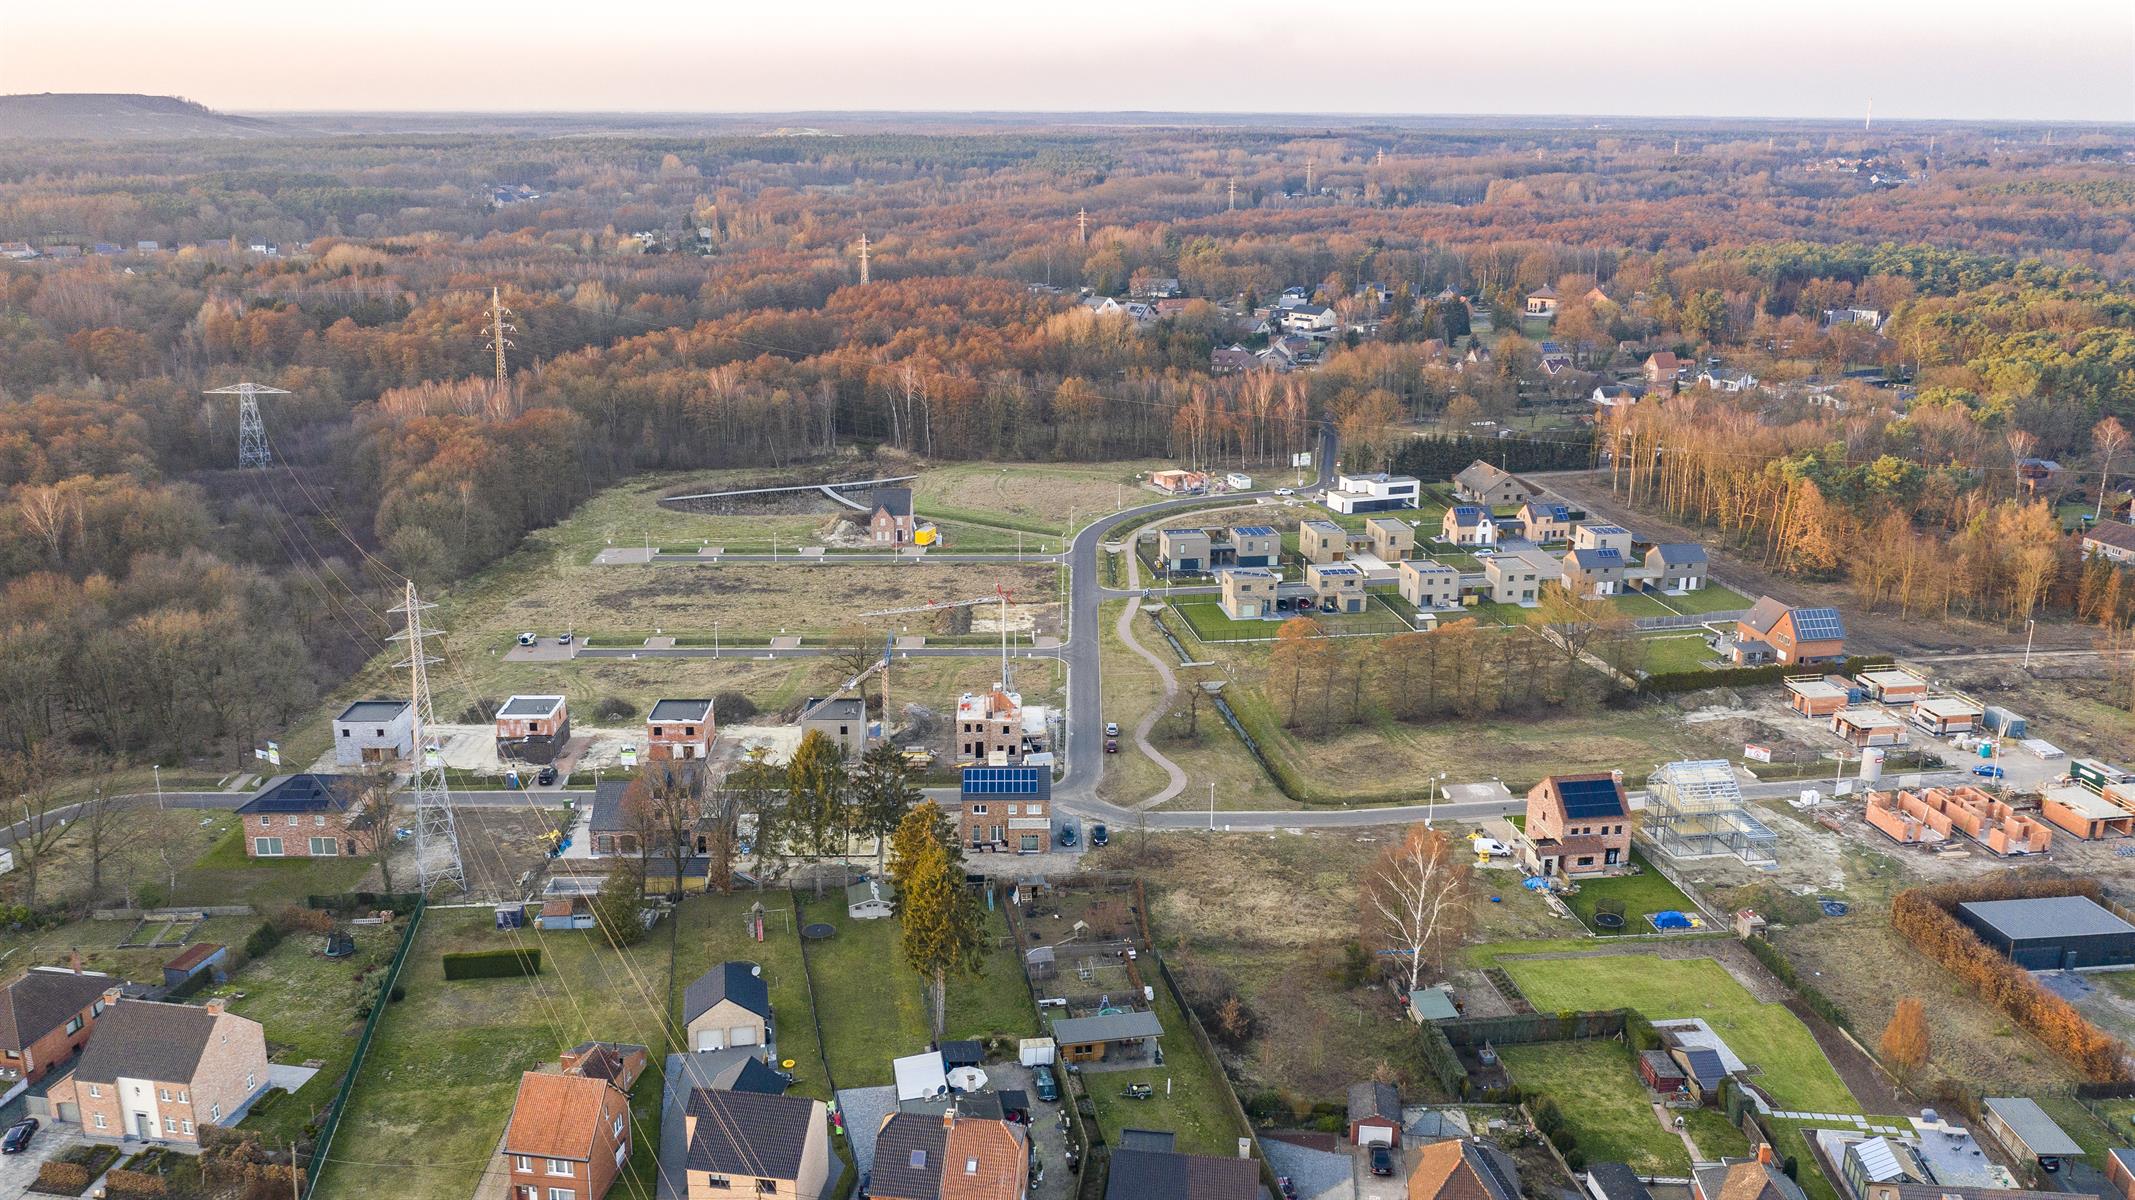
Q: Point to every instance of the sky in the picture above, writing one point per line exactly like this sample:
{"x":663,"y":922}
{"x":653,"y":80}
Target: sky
{"x":1948,"y":59}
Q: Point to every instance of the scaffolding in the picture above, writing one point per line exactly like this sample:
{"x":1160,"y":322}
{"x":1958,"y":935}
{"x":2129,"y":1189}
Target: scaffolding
{"x":1694,"y":809}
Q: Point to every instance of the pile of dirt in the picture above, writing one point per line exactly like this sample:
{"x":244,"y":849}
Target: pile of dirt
{"x":1719,"y":697}
{"x":1751,"y":731}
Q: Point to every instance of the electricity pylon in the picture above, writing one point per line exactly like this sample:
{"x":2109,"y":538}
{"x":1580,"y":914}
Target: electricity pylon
{"x":251,"y":431}
{"x":436,"y":834}
{"x":498,"y":343}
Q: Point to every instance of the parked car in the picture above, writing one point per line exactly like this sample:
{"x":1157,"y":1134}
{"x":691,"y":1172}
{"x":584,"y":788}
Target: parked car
{"x":1988,"y":771}
{"x":1382,"y":1160}
{"x":1286,"y":491}
{"x":18,"y":1136}
{"x":1111,"y":745}
{"x":1042,"y":1082}
{"x":546,"y":776}
{"x":527,"y":639}
{"x":1099,"y":835}
{"x":1067,"y":835}
{"x":1111,"y":729}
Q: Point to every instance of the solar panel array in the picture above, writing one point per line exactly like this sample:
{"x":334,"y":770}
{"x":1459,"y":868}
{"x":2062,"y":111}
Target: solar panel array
{"x":1254,"y":531}
{"x":1818,"y":624}
{"x":1589,"y":798}
{"x":1002,"y":781}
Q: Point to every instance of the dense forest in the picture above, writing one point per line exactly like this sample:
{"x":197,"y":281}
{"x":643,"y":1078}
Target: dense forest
{"x":681,"y":303}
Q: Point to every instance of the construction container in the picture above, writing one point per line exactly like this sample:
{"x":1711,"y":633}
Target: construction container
{"x":2000,"y":720}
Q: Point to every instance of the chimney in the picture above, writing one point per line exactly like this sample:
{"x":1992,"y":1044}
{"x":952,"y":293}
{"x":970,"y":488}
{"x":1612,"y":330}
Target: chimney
{"x":112,"y":994}
{"x":74,"y":960}
{"x":1764,"y":1153}
{"x":216,"y":1006}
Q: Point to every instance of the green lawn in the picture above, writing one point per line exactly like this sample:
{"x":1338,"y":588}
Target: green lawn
{"x":226,"y":875}
{"x":1791,"y":1066}
{"x":1195,"y":1107}
{"x":307,"y":1004}
{"x":1643,"y":604}
{"x":1596,"y":1086}
{"x":436,"y":1090}
{"x":2088,"y":1132}
{"x":998,"y":1002}
{"x":1675,"y":652}
{"x":1712,"y":597}
{"x":1647,"y":892}
{"x":872,"y":1005}
{"x":1791,"y":1139}
{"x":713,"y":929}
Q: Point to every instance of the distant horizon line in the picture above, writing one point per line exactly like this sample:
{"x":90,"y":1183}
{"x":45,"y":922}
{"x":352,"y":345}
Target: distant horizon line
{"x":1232,"y":113}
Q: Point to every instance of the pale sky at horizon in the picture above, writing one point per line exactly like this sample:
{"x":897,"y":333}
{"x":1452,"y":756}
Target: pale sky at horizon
{"x":1960,"y":59}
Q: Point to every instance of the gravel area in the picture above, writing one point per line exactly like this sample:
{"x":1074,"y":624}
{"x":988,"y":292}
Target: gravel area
{"x":1318,"y":1174}
{"x":864,"y":1111}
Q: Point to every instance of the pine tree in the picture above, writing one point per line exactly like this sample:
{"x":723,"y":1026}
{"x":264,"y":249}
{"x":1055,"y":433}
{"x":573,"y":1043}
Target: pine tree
{"x":940,"y":927}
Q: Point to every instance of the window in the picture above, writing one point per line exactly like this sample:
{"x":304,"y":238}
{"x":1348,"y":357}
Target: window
{"x":656,"y":731}
{"x":101,"y":1123}
{"x":215,"y":1112}
{"x":163,"y":1094}
{"x":558,"y":1166}
{"x":265,"y":822}
{"x":562,"y":1194}
{"x":74,"y":1025}
{"x":324,"y":847}
{"x":621,"y":1152}
{"x":170,"y":1124}
{"x":266,"y":847}
{"x":96,"y":1008}
{"x":186,"y":1126}
{"x":720,"y":1182}
{"x":378,"y":733}
{"x":346,"y":732}
{"x":616,"y":1130}
{"x":181,"y":1097}
{"x":248,"y":1081}
{"x":95,"y":1092}
{"x":978,"y":810}
{"x":319,"y":821}
{"x":522,"y":1163}
{"x":766,"y":1187}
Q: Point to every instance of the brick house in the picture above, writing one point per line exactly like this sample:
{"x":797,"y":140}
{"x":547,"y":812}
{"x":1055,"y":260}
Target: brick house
{"x":374,"y":733}
{"x":1548,"y":520}
{"x":1468,"y":525}
{"x":159,"y":1072}
{"x":1464,"y":1169}
{"x":752,"y":1144}
{"x":46,"y":1017}
{"x":620,"y":1063}
{"x":1006,"y":809}
{"x":1578,"y":825}
{"x":997,"y":723}
{"x":568,"y":1139}
{"x":309,"y":816}
{"x":728,"y":1008}
{"x":1490,"y":485}
{"x":1392,"y":538}
{"x":1427,"y":583}
{"x":533,"y":728}
{"x":2111,"y":540}
{"x":678,"y":729}
{"x":1596,"y":572}
{"x":1661,"y":368}
{"x":921,"y":1156}
{"x":890,"y":521}
{"x":1774,"y":632}
{"x":1677,"y":567}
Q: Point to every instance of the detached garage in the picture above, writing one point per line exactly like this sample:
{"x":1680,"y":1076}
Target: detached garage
{"x":2052,"y":932}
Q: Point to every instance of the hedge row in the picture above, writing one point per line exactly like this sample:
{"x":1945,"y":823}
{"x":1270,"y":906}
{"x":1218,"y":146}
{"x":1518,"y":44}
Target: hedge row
{"x":501,"y":963}
{"x":1693,"y":681}
{"x":1813,"y":996}
{"x":263,"y":938}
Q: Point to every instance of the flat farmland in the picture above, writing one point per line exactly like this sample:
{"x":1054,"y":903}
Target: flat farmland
{"x":1044,"y":498}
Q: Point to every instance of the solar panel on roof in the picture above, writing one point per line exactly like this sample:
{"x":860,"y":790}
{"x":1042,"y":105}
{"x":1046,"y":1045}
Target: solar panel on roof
{"x":1255,"y":530}
{"x":1589,"y":798}
{"x":1818,"y":624}
{"x":1001,"y":781}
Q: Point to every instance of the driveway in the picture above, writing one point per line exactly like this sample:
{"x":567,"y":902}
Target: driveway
{"x":1318,"y":1174}
{"x":1380,"y":1187}
{"x":19,"y":1171}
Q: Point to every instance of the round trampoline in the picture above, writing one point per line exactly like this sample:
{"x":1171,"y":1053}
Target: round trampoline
{"x":1608,"y":920}
{"x":818,"y":931}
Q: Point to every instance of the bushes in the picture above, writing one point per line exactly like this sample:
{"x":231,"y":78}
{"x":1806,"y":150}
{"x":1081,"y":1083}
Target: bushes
{"x":123,"y":1184}
{"x":1693,"y":681}
{"x":733,"y":706}
{"x":292,"y":919}
{"x":501,"y":963}
{"x":262,"y":939}
{"x":65,"y":1178}
{"x":1925,"y":917}
{"x":615,"y":708}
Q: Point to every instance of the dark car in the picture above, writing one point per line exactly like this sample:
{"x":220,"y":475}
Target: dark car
{"x":1382,"y":1160}
{"x":1043,"y":1083}
{"x":1099,"y":835}
{"x":546,"y":776}
{"x":18,"y":1136}
{"x":1067,"y":835}
{"x":1111,"y":745}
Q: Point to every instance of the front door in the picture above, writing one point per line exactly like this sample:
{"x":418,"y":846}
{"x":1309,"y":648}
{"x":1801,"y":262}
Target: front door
{"x":141,"y":1127}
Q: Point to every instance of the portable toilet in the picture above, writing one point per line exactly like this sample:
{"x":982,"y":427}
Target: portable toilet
{"x":1986,"y":748}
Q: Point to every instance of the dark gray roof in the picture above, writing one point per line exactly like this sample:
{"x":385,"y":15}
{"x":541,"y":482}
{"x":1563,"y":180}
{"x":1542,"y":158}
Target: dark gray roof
{"x":1595,"y":559}
{"x":1615,"y":1181}
{"x":608,"y":806}
{"x":373,"y":710}
{"x":681,"y":710}
{"x":2040,"y":1135}
{"x":1369,"y":1099}
{"x":962,"y":1054}
{"x":740,"y":982}
{"x":1679,"y":553}
{"x":908,"y":1157}
{"x":1704,"y":1066}
{"x":1154,"y":1175}
{"x":42,"y":1001}
{"x":530,"y":706}
{"x":1107,"y":1027}
{"x":2047,"y":916}
{"x":139,"y":1039}
{"x":605,"y":1060}
{"x":301,"y":794}
{"x":736,"y":1070}
{"x":840,"y":708}
{"x":1764,"y":614}
{"x":748,"y":1133}
{"x":896,"y":501}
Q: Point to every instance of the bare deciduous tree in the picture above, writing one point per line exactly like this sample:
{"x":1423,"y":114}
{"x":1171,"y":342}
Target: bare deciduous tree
{"x":1416,"y":900}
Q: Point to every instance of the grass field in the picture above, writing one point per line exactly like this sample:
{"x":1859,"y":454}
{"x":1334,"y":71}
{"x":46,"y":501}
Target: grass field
{"x":715,"y":929}
{"x":997,"y":1003}
{"x":1207,"y":620}
{"x":226,"y":875}
{"x":1596,"y":1086}
{"x":1212,"y":755}
{"x":307,"y":1004}
{"x":1192,"y":1098}
{"x":1048,"y":498}
{"x":1647,"y":892}
{"x":1675,"y":652}
{"x":873,"y":1006}
{"x":1790,"y":1065}
{"x":437,"y":1088}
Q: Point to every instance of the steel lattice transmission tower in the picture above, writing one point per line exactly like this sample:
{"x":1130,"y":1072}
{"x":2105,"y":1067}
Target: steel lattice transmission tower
{"x":251,"y":431}
{"x":436,"y":834}
{"x":498,"y":342}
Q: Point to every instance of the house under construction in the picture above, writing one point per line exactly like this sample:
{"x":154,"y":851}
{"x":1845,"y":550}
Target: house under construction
{"x":1694,"y":809}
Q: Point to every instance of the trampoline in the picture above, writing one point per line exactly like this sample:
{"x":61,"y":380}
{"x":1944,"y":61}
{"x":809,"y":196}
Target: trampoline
{"x":1834,"y":908}
{"x":1608,"y":920}
{"x":818,"y":931}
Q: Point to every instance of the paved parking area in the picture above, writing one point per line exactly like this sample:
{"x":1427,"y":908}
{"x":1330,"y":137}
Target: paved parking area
{"x":19,"y":1171}
{"x":1318,"y":1174}
{"x":1380,"y":1187}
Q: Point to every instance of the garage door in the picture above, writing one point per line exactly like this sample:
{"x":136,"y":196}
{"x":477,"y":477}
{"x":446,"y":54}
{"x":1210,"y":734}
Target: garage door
{"x":1374,"y":1135}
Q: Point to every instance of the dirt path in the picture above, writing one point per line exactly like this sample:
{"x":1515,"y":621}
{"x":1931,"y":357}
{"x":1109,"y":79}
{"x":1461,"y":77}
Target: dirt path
{"x":1869,"y":1086}
{"x":1884,"y":631}
{"x":1125,"y":629}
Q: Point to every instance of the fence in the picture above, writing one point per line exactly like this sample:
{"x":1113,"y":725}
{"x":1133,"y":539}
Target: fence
{"x":324,"y":1142}
{"x":187,"y":912}
{"x":1207,"y":1046}
{"x":1688,"y":620}
{"x":1537,"y":1027}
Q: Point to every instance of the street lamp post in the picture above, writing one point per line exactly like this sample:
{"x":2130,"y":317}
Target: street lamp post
{"x":715,"y":639}
{"x":157,"y":771}
{"x":2031,"y":630}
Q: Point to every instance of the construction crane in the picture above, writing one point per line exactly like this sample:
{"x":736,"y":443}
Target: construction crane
{"x":1000,"y":596}
{"x":882,"y":664}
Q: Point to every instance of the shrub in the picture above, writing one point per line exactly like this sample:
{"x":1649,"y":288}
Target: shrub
{"x":615,"y":708}
{"x":122,"y":1184}
{"x":1563,"y":1140}
{"x":1548,"y":1118}
{"x":68,"y":1179}
{"x":481,"y":712}
{"x":262,"y":939}
{"x":1575,"y":1158}
{"x":733,"y":706}
{"x":501,"y":963}
{"x":397,"y":995}
{"x":292,"y":919}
